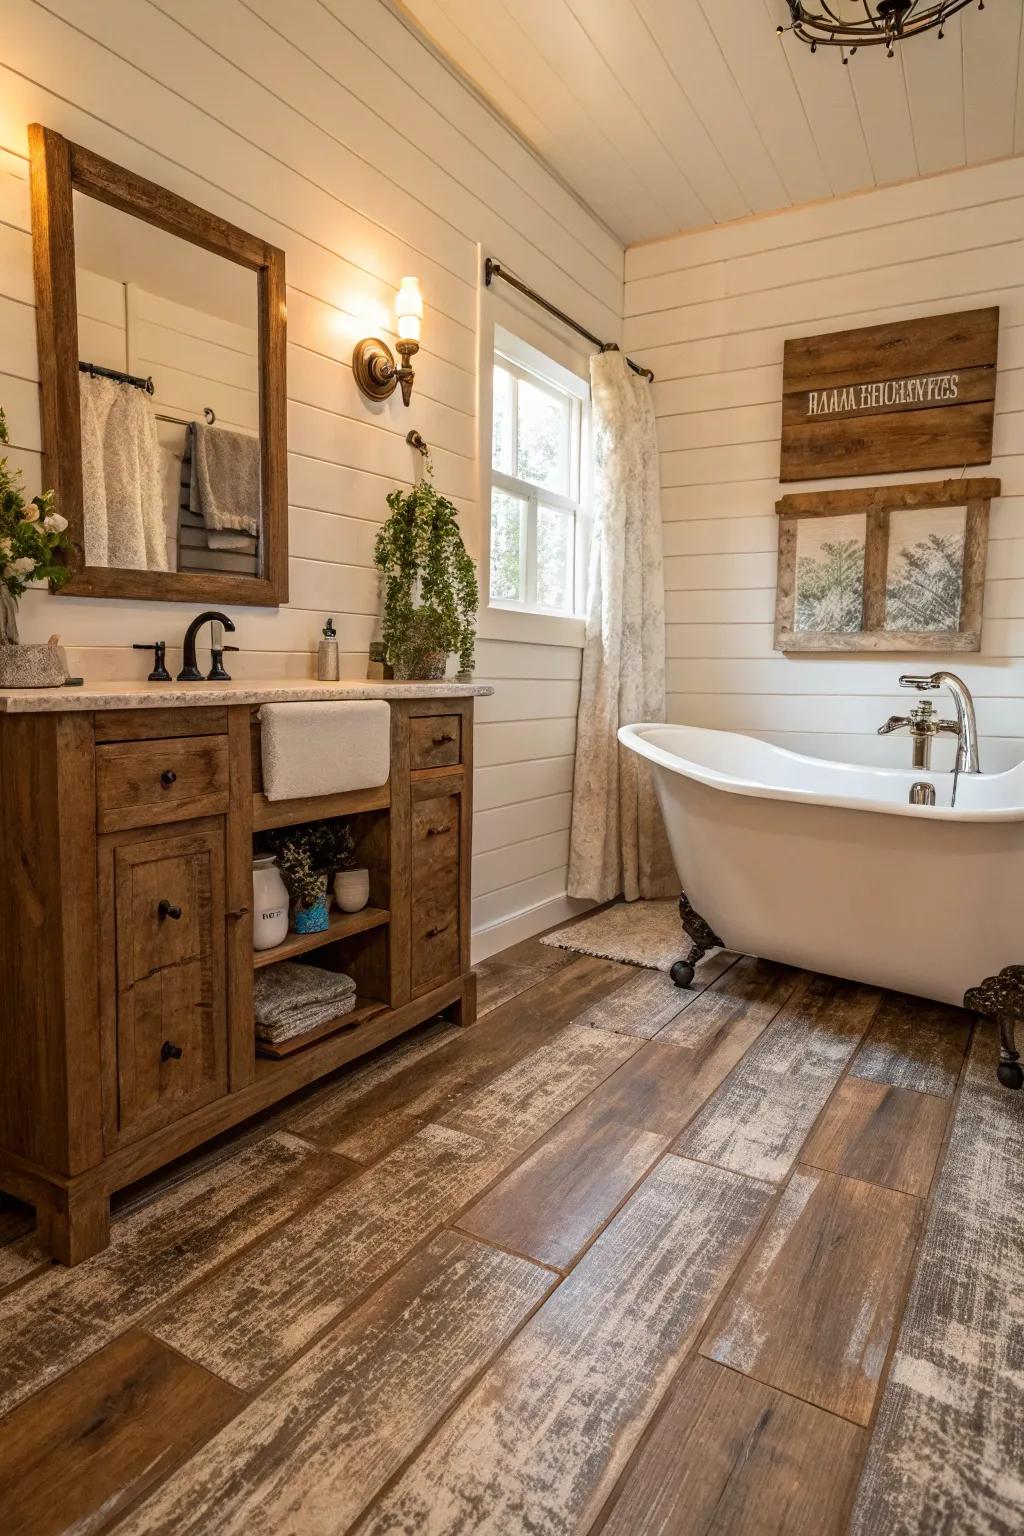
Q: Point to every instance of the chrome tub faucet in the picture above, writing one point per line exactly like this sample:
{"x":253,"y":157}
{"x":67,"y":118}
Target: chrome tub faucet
{"x":924,"y":725}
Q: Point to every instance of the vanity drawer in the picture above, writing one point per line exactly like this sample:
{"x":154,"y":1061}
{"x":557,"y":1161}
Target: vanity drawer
{"x":163,"y":998}
{"x":435,"y":892}
{"x":435,"y":741}
{"x":144,"y":783}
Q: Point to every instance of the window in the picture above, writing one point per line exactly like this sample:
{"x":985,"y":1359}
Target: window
{"x":540,"y":534}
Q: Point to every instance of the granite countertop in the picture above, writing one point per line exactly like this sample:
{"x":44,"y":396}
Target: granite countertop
{"x":135,"y":695}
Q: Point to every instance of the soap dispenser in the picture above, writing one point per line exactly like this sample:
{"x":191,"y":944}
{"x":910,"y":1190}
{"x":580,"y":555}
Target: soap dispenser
{"x":328,"y":667}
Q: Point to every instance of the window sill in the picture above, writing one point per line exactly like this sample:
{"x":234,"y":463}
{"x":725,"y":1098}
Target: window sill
{"x":530,"y":626}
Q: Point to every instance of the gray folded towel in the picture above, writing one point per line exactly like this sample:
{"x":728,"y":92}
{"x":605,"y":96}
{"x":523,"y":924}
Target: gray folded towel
{"x":305,"y":1019}
{"x":281,"y":991}
{"x":225,"y":478}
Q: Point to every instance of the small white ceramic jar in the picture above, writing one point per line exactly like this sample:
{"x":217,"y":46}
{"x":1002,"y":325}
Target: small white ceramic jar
{"x":269,"y":904}
{"x":352,"y":889}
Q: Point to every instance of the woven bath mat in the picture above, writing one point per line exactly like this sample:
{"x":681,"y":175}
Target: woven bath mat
{"x":640,"y":932}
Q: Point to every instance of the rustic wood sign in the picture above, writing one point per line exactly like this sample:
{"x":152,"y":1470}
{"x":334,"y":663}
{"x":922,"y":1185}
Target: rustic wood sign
{"x":919,"y":394}
{"x":889,"y":568}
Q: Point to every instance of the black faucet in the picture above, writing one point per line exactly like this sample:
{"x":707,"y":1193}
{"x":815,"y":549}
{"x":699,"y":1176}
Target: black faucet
{"x":190,"y":673}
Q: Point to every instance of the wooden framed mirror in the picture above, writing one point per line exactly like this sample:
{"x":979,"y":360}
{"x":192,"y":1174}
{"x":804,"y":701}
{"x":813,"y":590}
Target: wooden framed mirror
{"x":163,"y":399}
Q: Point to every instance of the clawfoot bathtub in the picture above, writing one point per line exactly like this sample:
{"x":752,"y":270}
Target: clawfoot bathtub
{"x":828,"y":866}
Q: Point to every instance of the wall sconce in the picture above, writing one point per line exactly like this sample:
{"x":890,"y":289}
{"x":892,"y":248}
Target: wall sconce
{"x":373,"y":361}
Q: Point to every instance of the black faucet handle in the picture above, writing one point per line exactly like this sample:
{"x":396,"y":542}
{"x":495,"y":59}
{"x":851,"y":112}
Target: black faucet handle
{"x":159,"y":673}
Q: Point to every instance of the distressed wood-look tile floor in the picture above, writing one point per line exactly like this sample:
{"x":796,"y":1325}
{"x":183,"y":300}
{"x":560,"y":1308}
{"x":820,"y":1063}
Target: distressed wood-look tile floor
{"x":744,"y":1259}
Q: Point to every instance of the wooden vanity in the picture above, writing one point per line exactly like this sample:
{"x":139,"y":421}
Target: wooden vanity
{"x":128,"y":817}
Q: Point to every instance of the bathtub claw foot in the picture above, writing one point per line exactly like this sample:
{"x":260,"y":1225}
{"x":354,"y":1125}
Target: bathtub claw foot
{"x":702,"y":938}
{"x":1002,"y":998}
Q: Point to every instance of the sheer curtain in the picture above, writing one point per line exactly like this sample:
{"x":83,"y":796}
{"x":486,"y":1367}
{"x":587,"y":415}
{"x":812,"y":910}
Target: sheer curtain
{"x":121,"y":479}
{"x":617,"y":841}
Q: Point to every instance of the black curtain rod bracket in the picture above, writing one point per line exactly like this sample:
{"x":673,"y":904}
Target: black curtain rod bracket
{"x":494,"y":269}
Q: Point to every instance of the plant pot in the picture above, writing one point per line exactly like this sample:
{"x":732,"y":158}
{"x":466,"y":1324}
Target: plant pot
{"x":32,"y":666}
{"x":421,"y":666}
{"x":352,"y":889}
{"x":269,"y":904}
{"x":314,"y":918}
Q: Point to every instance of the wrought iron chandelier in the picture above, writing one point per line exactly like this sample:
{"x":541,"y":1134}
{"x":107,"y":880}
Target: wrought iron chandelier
{"x":853,"y":24}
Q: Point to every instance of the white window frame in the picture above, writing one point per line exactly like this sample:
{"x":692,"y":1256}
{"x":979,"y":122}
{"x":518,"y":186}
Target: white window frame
{"x":524,"y":361}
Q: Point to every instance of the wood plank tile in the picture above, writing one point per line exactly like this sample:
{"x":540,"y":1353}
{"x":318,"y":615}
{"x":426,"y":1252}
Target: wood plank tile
{"x":532,"y":955}
{"x":538,"y":1444}
{"x":813,"y":1309}
{"x":948,"y":1444}
{"x":883,"y":1135}
{"x":751,"y":990}
{"x":916,"y":1044}
{"x":757,"y":1121}
{"x":512,"y":1110}
{"x":311,"y":1451}
{"x":316,"y":1115}
{"x":498,"y":983}
{"x":553,"y":1202}
{"x":76,"y":1453}
{"x":65,"y":1315}
{"x":248,"y":1320}
{"x":730,"y":1454}
{"x":650,"y":999}
{"x":367,"y":1125}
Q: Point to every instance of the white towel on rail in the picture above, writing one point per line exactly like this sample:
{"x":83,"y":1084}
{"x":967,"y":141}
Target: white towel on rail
{"x":122,"y":490}
{"x":324,"y":748}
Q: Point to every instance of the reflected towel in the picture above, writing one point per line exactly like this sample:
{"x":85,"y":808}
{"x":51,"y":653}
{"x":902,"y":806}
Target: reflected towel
{"x":122,"y":492}
{"x":282,"y":990}
{"x":324,"y":748}
{"x":225,"y":484}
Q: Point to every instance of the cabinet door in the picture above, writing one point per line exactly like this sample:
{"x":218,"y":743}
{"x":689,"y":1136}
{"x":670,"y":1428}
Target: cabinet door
{"x":435,"y":891}
{"x":168,"y":939}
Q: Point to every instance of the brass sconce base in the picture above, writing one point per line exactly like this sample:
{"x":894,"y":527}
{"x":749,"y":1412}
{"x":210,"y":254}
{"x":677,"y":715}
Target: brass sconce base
{"x":373,"y":364}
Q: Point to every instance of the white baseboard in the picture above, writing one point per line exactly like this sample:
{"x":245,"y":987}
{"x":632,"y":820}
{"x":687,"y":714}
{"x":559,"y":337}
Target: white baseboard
{"x":523,"y":925}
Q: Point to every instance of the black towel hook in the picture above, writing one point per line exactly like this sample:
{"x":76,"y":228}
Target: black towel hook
{"x":415,"y":440}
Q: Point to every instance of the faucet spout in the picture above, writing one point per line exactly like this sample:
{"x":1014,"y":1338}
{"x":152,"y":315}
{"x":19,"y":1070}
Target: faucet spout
{"x":190,"y":673}
{"x":966,"y":728}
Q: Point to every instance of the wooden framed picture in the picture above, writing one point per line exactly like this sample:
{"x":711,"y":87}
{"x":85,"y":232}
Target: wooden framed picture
{"x":888,"y":568}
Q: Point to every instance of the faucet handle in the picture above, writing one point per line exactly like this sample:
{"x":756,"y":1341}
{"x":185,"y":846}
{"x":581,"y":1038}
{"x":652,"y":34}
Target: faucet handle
{"x":159,"y":673}
{"x":894,"y":723}
{"x":908,"y":680}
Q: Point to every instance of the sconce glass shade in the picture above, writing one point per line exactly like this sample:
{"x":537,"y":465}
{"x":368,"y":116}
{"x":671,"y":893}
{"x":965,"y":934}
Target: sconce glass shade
{"x":409,"y":309}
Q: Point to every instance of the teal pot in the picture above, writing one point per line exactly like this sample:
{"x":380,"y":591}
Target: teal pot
{"x":312,"y":919}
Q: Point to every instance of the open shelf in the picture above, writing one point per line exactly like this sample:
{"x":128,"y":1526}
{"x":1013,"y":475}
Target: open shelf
{"x":365,"y":1009}
{"x":341,"y":925}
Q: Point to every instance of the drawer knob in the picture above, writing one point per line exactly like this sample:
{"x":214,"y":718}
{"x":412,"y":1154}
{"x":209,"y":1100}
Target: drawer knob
{"x":439,"y":831}
{"x":442,"y":741}
{"x":170,"y":1052}
{"x":168,"y":777}
{"x":168,"y":909}
{"x":432,"y":933}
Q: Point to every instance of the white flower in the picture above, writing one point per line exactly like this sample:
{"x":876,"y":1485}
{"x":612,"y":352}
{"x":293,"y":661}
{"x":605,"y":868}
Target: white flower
{"x":5,"y":548}
{"x":20,"y":567}
{"x":55,"y":523}
{"x":31,"y":513}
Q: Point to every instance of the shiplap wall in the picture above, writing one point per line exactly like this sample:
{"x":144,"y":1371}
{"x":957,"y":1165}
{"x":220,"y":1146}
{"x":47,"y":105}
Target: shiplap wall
{"x":331,"y":130}
{"x":709,"y":312}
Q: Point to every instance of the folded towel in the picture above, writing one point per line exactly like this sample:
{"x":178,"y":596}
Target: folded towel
{"x":225,"y":485}
{"x":305,"y":1019}
{"x":281,"y":990}
{"x":324,"y":748}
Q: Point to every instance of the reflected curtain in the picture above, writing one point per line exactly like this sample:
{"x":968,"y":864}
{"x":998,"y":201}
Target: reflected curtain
{"x":122,"y":492}
{"x":617,"y":842}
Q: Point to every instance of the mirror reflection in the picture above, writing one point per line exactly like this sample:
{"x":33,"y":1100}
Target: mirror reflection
{"x":169,"y":396}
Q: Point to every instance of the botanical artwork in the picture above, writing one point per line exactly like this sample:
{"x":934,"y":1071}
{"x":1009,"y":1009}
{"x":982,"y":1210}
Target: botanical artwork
{"x":830,"y":574}
{"x":924,"y":574}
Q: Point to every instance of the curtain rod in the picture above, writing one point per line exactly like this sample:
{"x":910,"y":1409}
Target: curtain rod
{"x":494,"y":268}
{"x":119,"y":378}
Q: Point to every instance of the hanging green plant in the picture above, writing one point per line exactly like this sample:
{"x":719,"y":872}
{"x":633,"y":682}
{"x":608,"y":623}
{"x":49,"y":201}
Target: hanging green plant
{"x":430,"y":586}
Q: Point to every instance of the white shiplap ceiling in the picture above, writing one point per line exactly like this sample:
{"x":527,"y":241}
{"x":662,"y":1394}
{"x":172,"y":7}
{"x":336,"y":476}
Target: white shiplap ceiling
{"x":665,"y":115}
